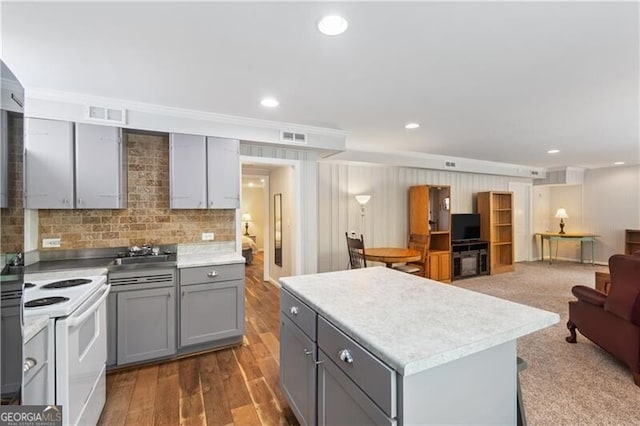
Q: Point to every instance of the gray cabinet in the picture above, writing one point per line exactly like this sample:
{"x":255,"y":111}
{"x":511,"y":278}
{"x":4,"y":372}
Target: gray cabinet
{"x":188,"y":172}
{"x":112,"y":329}
{"x":298,"y":355}
{"x":223,"y":182}
{"x":146,"y":324}
{"x":4,"y":159}
{"x":37,"y":379}
{"x":48,"y":164}
{"x":67,"y":166}
{"x":100,"y":167}
{"x":204,"y":172}
{"x":11,"y":336}
{"x":211,"y":304}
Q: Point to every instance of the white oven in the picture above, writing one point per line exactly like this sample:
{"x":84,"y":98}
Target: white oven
{"x":79,"y":323}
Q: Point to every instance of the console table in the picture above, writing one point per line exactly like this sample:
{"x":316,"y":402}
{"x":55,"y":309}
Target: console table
{"x":583,"y":238}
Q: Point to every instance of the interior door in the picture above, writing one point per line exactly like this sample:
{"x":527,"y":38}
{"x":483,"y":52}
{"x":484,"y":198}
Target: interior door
{"x":522,"y":220}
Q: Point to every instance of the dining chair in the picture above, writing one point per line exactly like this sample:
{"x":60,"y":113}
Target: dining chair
{"x":419,"y":242}
{"x":355,"y":246}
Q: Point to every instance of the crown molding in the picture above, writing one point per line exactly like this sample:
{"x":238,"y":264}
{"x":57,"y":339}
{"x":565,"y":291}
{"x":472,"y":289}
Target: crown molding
{"x":85,"y":99}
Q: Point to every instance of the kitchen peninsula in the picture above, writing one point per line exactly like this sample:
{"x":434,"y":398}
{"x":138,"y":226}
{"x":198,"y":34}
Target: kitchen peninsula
{"x":393,"y":348}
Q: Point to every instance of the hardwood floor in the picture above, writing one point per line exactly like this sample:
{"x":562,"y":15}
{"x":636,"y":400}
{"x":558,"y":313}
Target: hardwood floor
{"x":237,"y":385}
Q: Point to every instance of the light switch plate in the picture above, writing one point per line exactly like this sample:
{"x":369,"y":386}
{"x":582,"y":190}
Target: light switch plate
{"x":207,"y":236}
{"x":50,"y":242}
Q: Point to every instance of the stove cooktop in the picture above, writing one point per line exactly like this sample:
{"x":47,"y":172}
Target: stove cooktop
{"x":45,"y":301}
{"x":76,"y":290}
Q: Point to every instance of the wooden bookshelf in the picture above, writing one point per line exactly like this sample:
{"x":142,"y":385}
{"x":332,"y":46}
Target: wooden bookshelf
{"x":496,"y":227}
{"x":631,"y":240}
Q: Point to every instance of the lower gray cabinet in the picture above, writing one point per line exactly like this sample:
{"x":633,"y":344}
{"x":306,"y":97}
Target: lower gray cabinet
{"x":298,"y":371}
{"x":11,"y":337}
{"x":211,"y":305}
{"x":146,"y":324}
{"x":210,"y":312}
{"x":341,"y":401}
{"x":112,"y":329}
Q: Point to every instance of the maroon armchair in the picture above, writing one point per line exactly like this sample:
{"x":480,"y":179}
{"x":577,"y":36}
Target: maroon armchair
{"x":612,"y":321}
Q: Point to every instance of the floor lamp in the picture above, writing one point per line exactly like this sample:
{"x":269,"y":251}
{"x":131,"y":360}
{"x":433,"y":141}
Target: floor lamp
{"x":362,"y":200}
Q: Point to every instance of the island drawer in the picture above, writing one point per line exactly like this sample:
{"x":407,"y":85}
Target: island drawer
{"x":211,"y":274}
{"x":301,"y":315}
{"x":374,"y":377}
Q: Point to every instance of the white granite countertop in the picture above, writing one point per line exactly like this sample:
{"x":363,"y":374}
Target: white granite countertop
{"x":33,"y":325}
{"x":191,"y":255}
{"x":411,"y":323}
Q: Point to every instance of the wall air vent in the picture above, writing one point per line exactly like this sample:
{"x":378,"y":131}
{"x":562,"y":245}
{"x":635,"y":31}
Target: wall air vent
{"x":287,"y":136}
{"x":449,"y":164}
{"x":534,"y":173}
{"x":107,"y":115}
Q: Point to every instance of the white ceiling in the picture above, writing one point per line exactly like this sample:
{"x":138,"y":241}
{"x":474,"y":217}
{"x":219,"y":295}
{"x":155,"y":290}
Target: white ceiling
{"x":503,"y":81}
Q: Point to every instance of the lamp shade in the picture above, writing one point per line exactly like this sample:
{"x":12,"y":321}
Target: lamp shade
{"x":363,"y":199}
{"x":246,"y":217}
{"x":562,"y":214}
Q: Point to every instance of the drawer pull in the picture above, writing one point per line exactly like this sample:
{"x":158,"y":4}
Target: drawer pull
{"x":346,"y":356}
{"x":212,"y":274}
{"x":307,"y":352}
{"x":29,"y":363}
{"x":294,"y":310}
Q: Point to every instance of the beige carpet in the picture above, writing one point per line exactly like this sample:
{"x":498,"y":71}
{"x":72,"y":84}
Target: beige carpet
{"x":564,"y":384}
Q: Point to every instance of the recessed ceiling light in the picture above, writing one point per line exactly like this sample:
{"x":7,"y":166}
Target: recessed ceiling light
{"x":411,"y":126}
{"x":618,"y":163}
{"x":269,"y":102}
{"x":333,"y":25}
{"x":553,"y":151}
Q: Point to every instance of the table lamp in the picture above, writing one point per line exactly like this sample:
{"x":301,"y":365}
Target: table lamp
{"x":246,"y":218}
{"x":562,"y":214}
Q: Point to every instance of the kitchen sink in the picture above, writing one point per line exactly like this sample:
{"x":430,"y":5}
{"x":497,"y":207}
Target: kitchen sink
{"x":13,"y":270}
{"x":132,"y":260}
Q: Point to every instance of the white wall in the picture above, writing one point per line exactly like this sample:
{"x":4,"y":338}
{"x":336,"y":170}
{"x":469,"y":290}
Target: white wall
{"x":386,"y":219}
{"x":253,"y":203}
{"x":611,"y":205}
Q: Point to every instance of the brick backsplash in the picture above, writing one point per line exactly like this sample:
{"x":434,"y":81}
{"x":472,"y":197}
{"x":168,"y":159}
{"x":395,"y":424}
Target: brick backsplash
{"x":12,"y":217}
{"x":147,"y":219}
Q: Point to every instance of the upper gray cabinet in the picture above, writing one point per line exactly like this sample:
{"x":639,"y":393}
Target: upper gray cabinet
{"x":188,"y":173}
{"x":67,"y":166}
{"x":48,"y":164}
{"x":205,"y":172}
{"x":100,"y":167}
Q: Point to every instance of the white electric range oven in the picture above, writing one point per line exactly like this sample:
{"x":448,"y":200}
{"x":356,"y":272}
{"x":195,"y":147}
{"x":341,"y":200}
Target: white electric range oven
{"x":78,"y":323}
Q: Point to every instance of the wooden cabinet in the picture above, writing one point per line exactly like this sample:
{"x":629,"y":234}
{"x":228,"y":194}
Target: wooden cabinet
{"x":298,"y":355}
{"x":48,"y":164}
{"x":73,"y":166}
{"x":429,"y":213}
{"x":38,"y":387}
{"x":496,"y":227}
{"x":631,"y":240}
{"x":211,"y":304}
{"x":100,"y":167}
{"x":204,"y":172}
{"x":603,"y":282}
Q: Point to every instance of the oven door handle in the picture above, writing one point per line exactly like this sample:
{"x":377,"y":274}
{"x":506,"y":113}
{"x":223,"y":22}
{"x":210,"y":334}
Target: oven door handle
{"x":72,"y":322}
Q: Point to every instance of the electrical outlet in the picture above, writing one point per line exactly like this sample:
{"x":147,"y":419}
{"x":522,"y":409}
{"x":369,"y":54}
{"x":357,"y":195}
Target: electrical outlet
{"x":50,"y":242}
{"x":207,"y":236}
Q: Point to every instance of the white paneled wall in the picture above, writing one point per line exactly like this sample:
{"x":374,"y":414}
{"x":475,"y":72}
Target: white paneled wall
{"x":611,"y":205}
{"x":386,"y":219}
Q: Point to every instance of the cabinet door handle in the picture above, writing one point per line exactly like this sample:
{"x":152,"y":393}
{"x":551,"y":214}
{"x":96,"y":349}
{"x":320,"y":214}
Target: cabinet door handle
{"x":29,"y":363}
{"x":212,"y":274}
{"x":346,"y":356}
{"x":294,"y":310}
{"x":307,"y":352}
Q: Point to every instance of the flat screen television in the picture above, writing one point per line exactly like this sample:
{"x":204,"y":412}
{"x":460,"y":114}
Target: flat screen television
{"x":465,"y":226}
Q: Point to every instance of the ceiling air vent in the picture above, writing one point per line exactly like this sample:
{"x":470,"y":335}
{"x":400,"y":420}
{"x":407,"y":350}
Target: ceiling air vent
{"x":108,"y":115}
{"x":287,"y":136}
{"x":449,"y":164}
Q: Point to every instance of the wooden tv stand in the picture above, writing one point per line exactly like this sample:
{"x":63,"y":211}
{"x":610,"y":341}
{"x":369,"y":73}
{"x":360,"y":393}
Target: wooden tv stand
{"x":470,"y":258}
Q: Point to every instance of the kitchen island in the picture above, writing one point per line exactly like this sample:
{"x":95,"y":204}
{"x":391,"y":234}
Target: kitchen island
{"x":393,"y":348}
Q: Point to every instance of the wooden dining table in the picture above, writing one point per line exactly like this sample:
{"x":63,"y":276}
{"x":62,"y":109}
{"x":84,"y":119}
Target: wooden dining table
{"x":391,"y":255}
